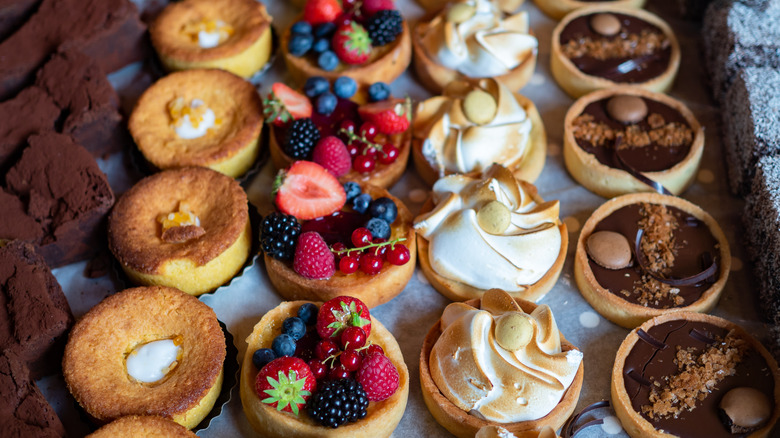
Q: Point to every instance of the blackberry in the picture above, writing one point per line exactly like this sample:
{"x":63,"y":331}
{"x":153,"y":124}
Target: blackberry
{"x":278,"y":235}
{"x":384,"y":27}
{"x":337,"y":402}
{"x":302,"y":135}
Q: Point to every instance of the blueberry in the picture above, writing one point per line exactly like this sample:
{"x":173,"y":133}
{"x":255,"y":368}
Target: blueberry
{"x":326,"y":103}
{"x":328,"y":60}
{"x":324,"y":29}
{"x":320,"y":45}
{"x":379,"y":228}
{"x":352,"y":189}
{"x":308,"y":313}
{"x":378,"y":91}
{"x":383,"y":208}
{"x":300,"y":44}
{"x":301,"y":27}
{"x":360,"y":203}
{"x":262,"y":356}
{"x":315,"y":86}
{"x":283,"y":345}
{"x":294,"y":327}
{"x":345,"y":87}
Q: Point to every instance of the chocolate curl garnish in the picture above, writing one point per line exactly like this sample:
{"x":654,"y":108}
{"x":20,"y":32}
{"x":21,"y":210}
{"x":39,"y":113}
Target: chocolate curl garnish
{"x":647,"y":337}
{"x":638,"y":378}
{"x":701,"y":336}
{"x":712,"y":267}
{"x":635,"y":173}
{"x":570,"y":427}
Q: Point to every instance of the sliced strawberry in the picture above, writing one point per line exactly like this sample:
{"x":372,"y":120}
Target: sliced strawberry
{"x":321,"y":11}
{"x":341,"y":312}
{"x":286,"y":384}
{"x":390,"y":116}
{"x":307,"y":191}
{"x":352,"y":43}
{"x":284,"y":105}
{"x":332,"y":154}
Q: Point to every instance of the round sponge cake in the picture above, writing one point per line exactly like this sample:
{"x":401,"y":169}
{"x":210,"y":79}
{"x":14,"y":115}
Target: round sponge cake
{"x":142,"y":427}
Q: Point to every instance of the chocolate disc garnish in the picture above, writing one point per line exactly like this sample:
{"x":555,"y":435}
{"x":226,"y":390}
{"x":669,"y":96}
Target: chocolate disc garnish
{"x":635,"y":173}
{"x":569,"y":430}
{"x":627,"y":109}
{"x":605,"y":24}
{"x":647,"y":337}
{"x":628,"y":66}
{"x":686,"y":281}
{"x":701,"y":337}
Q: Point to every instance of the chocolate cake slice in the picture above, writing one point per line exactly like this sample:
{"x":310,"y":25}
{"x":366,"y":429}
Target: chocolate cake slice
{"x":30,"y":112}
{"x":13,"y":14}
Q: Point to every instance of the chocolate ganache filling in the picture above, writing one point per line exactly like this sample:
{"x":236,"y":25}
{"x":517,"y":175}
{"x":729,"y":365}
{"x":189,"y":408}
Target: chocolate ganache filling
{"x":698,"y":363}
{"x":674,"y":244}
{"x":638,"y":53}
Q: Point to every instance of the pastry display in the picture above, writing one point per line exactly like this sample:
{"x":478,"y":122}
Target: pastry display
{"x":365,"y":142}
{"x":474,"y":39}
{"x":368,"y":41}
{"x":643,"y":255}
{"x":134,"y":426}
{"x":473,"y":125}
{"x":557,"y":9}
{"x":615,"y":138}
{"x":693,"y":375}
{"x":490,"y":231}
{"x":326,"y":370}
{"x":186,"y":228}
{"x":328,"y":240}
{"x":208,"y":118}
{"x":161,"y":353}
{"x":603,"y":46}
{"x":499,"y":361}
{"x":233,"y":35}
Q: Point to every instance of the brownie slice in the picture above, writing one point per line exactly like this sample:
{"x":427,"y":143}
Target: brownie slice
{"x":737,"y":36}
{"x":13,"y":14}
{"x":109,"y":31}
{"x":34,"y":313}
{"x":30,"y":112}
{"x":63,"y":189}
{"x":751,"y":123}
{"x":24,"y":413}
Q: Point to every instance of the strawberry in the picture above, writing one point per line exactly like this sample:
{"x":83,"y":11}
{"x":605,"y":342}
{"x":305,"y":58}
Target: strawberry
{"x":307,"y":191}
{"x":287,"y":382}
{"x":321,"y":11}
{"x":390,"y":116}
{"x":371,"y":7}
{"x":342,"y":312}
{"x":332,"y":154}
{"x":313,"y":259}
{"x":284,"y":104}
{"x":351,"y":43}
{"x":378,"y":376}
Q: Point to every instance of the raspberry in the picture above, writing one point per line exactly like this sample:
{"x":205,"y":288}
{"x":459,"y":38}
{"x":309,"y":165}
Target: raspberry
{"x":378,"y":376}
{"x":332,"y":154}
{"x":313,"y":258}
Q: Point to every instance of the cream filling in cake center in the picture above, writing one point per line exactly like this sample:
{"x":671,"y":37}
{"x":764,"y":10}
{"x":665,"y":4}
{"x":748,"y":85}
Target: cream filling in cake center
{"x":151,"y":362}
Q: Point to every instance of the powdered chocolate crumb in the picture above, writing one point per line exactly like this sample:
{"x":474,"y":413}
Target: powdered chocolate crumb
{"x":634,"y":136}
{"x":622,"y":46}
{"x":658,"y":243}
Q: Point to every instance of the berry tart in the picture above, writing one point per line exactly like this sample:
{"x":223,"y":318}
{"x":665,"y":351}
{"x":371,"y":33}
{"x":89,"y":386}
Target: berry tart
{"x":305,"y":359}
{"x":328,"y":240}
{"x":693,"y":375}
{"x":134,"y":426}
{"x":604,"y":46}
{"x":612,"y":135}
{"x":474,"y":39}
{"x":233,"y":35}
{"x":499,"y":362}
{"x":479,"y":232}
{"x":473,"y":125}
{"x":557,"y":9}
{"x":644,"y":254}
{"x":367,"y":40}
{"x":366,"y":142}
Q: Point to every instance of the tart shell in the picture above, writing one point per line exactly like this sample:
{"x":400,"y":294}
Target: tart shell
{"x":577,"y":83}
{"x":381,"y":419}
{"x":636,"y":425}
{"x":620,"y":311}
{"x":460,"y":423}
{"x":557,"y":9}
{"x":134,"y":426}
{"x":610,"y":182}
{"x":373,"y":290}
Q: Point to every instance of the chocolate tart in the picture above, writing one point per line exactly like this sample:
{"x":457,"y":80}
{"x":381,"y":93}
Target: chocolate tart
{"x":385,"y":64}
{"x":649,"y":357}
{"x":557,"y":9}
{"x":381,"y":418}
{"x":245,"y":51}
{"x":373,"y":290}
{"x":626,"y":303}
{"x":528,"y":168}
{"x":654,"y":71}
{"x":135,"y":426}
{"x":436,"y":5}
{"x":463,"y":425}
{"x":600,"y":170}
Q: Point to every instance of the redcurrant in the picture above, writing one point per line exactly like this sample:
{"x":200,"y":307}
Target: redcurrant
{"x":348,"y":264}
{"x":374,"y":349}
{"x":398,"y":255}
{"x":353,"y":337}
{"x":339,"y":372}
{"x":363,"y":163}
{"x":350,"y":360}
{"x":319,"y":369}
{"x":388,"y":155}
{"x":371,"y":264}
{"x":361,"y":237}
{"x":368,"y":130}
{"x":325,"y":348}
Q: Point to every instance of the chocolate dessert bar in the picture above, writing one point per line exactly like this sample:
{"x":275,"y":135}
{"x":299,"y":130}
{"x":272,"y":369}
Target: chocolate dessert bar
{"x":751,"y":123}
{"x":13,"y":14}
{"x":111,"y":33}
{"x":30,"y":112}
